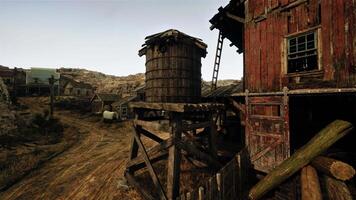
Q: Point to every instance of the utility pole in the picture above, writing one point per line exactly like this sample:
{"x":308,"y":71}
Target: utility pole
{"x":51,"y":95}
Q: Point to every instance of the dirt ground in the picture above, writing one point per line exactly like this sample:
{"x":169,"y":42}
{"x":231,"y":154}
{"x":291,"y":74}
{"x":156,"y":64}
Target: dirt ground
{"x":91,"y":169}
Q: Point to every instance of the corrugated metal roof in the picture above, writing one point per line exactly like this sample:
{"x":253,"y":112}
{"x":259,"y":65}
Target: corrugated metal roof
{"x":224,"y":91}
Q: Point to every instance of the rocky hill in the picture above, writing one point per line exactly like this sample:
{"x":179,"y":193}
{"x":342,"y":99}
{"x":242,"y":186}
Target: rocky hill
{"x":105,"y":83}
{"x":118,"y":84}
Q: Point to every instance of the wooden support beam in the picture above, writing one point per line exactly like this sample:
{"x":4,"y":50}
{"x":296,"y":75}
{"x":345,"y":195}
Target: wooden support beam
{"x":130,"y":178}
{"x":174,"y":159}
{"x":319,"y":143}
{"x":154,"y":153}
{"x":151,"y":135}
{"x":139,"y":163}
{"x":151,"y":170}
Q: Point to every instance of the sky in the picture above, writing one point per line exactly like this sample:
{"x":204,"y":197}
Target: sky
{"x":105,"y":36}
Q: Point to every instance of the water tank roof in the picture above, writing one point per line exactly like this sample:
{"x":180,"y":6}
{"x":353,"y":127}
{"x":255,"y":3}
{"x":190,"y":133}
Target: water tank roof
{"x":171,"y":35}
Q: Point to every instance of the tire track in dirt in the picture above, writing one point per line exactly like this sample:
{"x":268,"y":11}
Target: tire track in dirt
{"x":91,"y":169}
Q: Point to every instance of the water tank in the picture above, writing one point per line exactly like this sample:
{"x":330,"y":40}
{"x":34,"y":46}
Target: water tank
{"x":173,"y":67}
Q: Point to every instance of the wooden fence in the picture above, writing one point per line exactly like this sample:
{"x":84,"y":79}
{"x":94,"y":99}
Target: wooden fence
{"x":230,"y":183}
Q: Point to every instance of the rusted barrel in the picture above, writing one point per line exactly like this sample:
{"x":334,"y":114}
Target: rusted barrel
{"x":173,"y":67}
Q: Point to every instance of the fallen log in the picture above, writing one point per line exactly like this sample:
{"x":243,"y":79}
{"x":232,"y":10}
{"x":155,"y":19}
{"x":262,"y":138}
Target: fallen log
{"x":318,"y":144}
{"x":336,"y":189}
{"x":310,"y":186}
{"x":334,"y":168}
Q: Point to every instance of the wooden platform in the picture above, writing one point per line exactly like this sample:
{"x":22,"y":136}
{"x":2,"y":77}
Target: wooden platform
{"x":178,"y":107}
{"x":183,"y":137}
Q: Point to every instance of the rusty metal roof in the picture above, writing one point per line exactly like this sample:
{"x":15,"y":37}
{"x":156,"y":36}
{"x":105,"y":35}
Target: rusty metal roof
{"x":224,"y":91}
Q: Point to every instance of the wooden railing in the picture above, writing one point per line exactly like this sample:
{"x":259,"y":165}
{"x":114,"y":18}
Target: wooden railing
{"x":229,"y":183}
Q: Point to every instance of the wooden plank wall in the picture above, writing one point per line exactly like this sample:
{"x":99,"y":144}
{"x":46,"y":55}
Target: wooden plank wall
{"x":268,"y":23}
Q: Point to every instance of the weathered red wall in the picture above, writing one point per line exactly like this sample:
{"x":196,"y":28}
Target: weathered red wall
{"x":264,"y":40}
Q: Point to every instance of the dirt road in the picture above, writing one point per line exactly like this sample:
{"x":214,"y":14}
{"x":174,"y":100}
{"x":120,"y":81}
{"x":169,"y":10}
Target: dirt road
{"x":91,"y":169}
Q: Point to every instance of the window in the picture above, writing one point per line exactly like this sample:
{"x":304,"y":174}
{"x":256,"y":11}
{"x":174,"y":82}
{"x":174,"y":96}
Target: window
{"x":302,"y":53}
{"x":124,"y":111}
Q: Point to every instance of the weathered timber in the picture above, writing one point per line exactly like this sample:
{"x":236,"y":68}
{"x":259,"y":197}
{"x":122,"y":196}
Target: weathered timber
{"x":150,"y":168}
{"x":134,"y":183}
{"x":318,"y":144}
{"x":199,"y":155}
{"x":174,"y":159}
{"x":336,"y":189}
{"x":310,"y":187}
{"x":334,"y":168}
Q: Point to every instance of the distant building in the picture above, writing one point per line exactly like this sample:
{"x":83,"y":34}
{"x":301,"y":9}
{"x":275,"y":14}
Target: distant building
{"x":81,"y":89}
{"x":101,"y":102}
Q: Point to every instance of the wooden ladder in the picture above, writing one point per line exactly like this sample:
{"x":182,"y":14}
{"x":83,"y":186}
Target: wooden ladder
{"x":219,"y":47}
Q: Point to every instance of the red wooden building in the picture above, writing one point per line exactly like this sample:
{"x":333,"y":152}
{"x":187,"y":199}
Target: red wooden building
{"x":299,"y":71}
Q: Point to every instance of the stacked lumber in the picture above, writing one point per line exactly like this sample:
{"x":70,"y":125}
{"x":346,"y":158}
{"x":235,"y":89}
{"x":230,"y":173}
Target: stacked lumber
{"x":309,"y":162}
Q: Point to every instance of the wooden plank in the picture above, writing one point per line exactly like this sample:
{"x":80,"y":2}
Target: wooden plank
{"x":174,"y":159}
{"x":151,"y":170}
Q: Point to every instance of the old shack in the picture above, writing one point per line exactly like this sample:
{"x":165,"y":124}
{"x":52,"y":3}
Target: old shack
{"x":102,"y":101}
{"x":79,"y":89}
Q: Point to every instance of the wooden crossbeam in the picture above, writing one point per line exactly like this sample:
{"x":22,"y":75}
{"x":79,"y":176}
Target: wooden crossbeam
{"x":154,"y":153}
{"x":150,"y":135}
{"x":151,"y":170}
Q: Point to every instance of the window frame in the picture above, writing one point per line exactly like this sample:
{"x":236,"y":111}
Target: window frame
{"x":285,"y":50}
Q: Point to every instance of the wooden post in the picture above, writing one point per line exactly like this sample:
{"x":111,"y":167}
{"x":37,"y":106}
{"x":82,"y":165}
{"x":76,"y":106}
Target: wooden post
{"x":318,"y":144}
{"x":174,"y":158}
{"x":242,"y":161}
{"x":310,"y":186}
